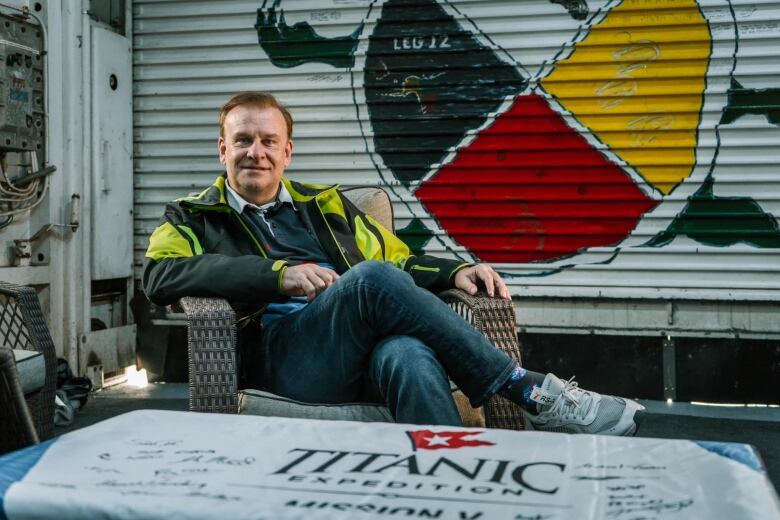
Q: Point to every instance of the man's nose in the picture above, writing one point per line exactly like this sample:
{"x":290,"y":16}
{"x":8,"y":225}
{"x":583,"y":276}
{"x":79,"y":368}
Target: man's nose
{"x":256,"y":149}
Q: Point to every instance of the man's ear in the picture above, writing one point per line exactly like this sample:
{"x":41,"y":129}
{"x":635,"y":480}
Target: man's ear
{"x":221,"y":149}
{"x":288,"y":153}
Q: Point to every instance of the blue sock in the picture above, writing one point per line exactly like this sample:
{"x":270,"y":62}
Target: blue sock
{"x":519,"y":386}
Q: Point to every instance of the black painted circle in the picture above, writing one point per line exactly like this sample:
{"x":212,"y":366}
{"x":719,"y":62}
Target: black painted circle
{"x":113,"y":81}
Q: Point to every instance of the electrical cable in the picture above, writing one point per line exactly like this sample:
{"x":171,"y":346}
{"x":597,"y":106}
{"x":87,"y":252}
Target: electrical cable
{"x":35,"y":204}
{"x":15,"y":193}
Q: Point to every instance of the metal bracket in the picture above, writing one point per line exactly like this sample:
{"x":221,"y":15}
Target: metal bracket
{"x":23,"y":246}
{"x":26,"y":178}
{"x":669,"y":368}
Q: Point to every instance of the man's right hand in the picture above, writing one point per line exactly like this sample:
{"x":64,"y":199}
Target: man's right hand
{"x":307,"y":280}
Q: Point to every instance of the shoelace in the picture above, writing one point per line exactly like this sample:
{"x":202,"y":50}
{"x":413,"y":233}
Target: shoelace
{"x":573,"y":402}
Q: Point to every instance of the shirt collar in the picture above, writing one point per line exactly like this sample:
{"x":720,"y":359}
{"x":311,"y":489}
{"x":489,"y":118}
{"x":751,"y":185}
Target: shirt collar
{"x":238,"y":203}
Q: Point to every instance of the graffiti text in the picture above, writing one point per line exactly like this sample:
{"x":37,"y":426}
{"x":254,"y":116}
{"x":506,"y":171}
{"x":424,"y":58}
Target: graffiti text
{"x":434,"y":41}
{"x":634,"y":56}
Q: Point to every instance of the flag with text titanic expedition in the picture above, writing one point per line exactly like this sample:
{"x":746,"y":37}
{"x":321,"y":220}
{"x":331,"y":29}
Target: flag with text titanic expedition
{"x":160,"y":465}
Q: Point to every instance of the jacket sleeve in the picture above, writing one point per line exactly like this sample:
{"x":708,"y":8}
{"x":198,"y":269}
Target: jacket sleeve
{"x":378,"y":243}
{"x":177,"y":266}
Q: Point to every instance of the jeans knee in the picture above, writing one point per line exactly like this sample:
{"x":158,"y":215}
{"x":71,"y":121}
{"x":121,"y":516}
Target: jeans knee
{"x":405,"y":355}
{"x":407,"y":374}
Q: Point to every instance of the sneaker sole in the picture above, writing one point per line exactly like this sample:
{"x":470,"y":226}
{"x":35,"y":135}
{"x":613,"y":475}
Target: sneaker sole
{"x":639,"y":416}
{"x":636,"y":421}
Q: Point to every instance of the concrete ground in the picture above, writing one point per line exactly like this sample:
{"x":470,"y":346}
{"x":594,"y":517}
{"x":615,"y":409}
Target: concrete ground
{"x":757,"y":426}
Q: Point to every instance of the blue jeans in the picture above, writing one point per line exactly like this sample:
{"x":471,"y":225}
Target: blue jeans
{"x":375,"y":333}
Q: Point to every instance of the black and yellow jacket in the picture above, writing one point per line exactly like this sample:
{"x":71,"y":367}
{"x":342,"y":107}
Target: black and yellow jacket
{"x":203,"y":248}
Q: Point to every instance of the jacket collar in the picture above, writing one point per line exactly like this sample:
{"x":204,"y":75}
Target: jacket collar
{"x":215,"y":196}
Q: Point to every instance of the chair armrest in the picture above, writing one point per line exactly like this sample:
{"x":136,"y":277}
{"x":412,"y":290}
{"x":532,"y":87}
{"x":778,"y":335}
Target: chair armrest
{"x":211,"y":341}
{"x":17,"y":429}
{"x":22,"y":326}
{"x":495,"y":318}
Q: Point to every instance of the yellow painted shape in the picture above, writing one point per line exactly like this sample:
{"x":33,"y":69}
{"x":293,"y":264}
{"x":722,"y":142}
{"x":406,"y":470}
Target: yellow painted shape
{"x":637,"y":81}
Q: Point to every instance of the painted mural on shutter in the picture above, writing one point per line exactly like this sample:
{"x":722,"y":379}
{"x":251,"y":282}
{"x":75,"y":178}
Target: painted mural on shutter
{"x":585,"y":148}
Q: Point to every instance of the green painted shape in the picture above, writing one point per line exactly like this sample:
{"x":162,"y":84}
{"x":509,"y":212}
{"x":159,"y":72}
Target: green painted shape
{"x":415,"y":235}
{"x":292,"y":46}
{"x":760,"y":101}
{"x":721,"y":222}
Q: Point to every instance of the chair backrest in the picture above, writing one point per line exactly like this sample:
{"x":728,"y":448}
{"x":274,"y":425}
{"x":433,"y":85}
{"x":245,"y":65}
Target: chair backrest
{"x":375,"y":202}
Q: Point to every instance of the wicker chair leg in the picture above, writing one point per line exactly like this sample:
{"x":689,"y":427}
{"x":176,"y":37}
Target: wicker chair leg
{"x":17,"y":429}
{"x":211,"y":338}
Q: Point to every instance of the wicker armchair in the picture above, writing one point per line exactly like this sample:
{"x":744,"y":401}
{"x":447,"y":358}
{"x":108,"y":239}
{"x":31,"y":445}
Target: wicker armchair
{"x":212,"y":336}
{"x":17,"y":429}
{"x":22,"y":326}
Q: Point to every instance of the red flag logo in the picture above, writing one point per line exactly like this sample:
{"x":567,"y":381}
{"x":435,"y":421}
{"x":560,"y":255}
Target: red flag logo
{"x":430,"y":440}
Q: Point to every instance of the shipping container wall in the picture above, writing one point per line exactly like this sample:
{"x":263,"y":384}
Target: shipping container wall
{"x":600,"y":149}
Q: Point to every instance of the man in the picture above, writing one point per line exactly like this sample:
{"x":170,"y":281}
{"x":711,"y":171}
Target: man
{"x":345,"y":310}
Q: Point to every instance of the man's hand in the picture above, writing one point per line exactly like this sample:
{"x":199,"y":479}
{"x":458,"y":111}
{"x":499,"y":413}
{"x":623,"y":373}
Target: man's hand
{"x":470,"y":278}
{"x":307,"y":280}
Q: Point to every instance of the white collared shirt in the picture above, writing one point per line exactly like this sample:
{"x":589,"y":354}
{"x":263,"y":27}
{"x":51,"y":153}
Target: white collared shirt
{"x":238,"y":203}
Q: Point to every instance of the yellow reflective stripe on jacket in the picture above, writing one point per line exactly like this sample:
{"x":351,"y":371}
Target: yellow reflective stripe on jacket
{"x":300,"y":197}
{"x":395,"y":250}
{"x":370,"y":245}
{"x":192,"y":197}
{"x":422,"y":268}
{"x":193,"y":238}
{"x":330,"y":202}
{"x":169,"y":242}
{"x":367,"y":241}
{"x":219,"y":184}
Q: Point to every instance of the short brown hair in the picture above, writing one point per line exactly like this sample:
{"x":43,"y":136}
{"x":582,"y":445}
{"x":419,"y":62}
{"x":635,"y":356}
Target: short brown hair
{"x":258,"y":99}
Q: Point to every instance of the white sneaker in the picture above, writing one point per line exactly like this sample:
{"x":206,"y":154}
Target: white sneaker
{"x":563,"y":407}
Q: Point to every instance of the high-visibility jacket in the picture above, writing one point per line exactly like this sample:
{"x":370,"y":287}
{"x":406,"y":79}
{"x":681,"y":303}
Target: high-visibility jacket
{"x":202,"y":247}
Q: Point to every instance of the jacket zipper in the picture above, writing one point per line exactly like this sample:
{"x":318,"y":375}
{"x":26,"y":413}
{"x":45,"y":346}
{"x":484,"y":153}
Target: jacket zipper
{"x":243,"y":321}
{"x":332,"y":235}
{"x":249,"y":232}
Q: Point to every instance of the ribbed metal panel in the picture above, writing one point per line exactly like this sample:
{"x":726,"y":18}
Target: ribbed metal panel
{"x":619,"y":149}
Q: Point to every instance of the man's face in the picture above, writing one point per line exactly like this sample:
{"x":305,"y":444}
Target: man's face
{"x":255,"y":151}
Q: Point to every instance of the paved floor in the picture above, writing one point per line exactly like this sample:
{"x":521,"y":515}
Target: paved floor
{"x":757,"y":426}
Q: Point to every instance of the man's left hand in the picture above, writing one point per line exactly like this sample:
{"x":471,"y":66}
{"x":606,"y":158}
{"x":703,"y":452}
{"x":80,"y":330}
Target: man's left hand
{"x":471,"y":278}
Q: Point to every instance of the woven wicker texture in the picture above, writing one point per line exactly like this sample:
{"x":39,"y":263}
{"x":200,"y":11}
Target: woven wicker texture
{"x":495,"y":318}
{"x":471,"y":417}
{"x":211,"y":341}
{"x":22,"y":326}
{"x":17,"y":429}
